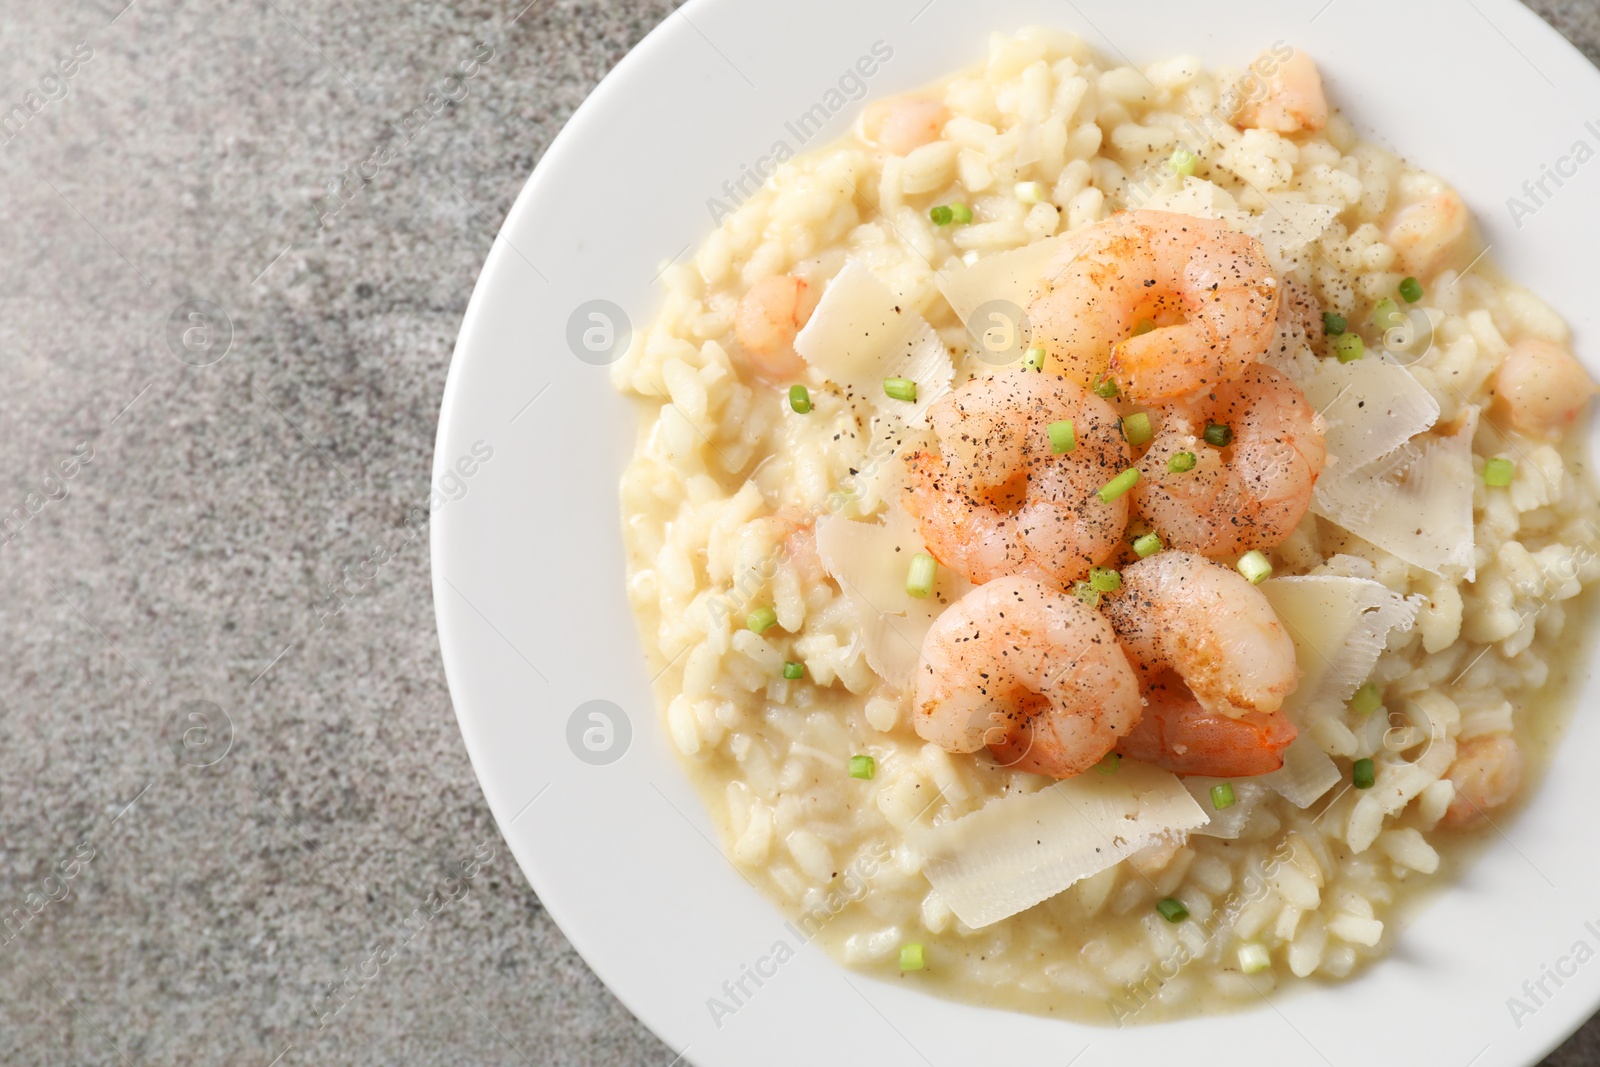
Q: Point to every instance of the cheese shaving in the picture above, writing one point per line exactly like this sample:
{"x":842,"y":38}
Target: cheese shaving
{"x":1021,"y":849}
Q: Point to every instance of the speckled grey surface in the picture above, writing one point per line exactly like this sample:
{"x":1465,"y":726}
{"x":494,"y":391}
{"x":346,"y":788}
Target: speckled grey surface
{"x":242,"y":800}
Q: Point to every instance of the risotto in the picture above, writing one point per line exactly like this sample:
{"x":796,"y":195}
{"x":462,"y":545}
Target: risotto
{"x":1107,"y":536}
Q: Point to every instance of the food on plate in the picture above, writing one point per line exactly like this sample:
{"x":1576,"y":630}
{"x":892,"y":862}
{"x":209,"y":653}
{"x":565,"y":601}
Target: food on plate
{"x":1126,"y":500}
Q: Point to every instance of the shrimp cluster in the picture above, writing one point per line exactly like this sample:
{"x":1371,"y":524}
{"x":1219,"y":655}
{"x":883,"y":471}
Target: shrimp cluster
{"x":1028,"y":495}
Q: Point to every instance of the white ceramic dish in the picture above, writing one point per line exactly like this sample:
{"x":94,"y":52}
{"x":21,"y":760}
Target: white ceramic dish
{"x":528,"y":565}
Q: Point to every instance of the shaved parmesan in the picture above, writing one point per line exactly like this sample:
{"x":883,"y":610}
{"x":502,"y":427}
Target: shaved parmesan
{"x":1229,"y":822}
{"x":1024,"y":848}
{"x":861,"y":334}
{"x":1339,"y":627}
{"x":1195,"y":196}
{"x":1415,"y":503}
{"x":1370,"y":407}
{"x":869,"y":561}
{"x":1005,"y":276}
{"x":1287,"y":229}
{"x":1307,"y":773}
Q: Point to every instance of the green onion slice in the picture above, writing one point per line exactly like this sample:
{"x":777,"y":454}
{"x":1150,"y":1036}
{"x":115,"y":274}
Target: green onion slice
{"x":1105,"y":388}
{"x":920,"y":575}
{"x":1118,"y":485}
{"x":1109,"y":763}
{"x":1181,"y":462}
{"x":863,"y":766}
{"x":900,"y":389}
{"x":1362,"y":775}
{"x":1254,"y":566}
{"x":1034,"y":359}
{"x":1146,"y":545}
{"x":1183,"y":162}
{"x":911,"y":957}
{"x":1333,"y":323}
{"x":1105,"y":579}
{"x":941,"y":215}
{"x":960,"y":213}
{"x":1062,"y":437}
{"x":1222,"y":795}
{"x":1136,"y":428}
{"x":799,"y":399}
{"x":1498,"y":471}
{"x":761,"y":619}
{"x":1218,"y":435}
{"x":1173,"y":910}
{"x":1366,"y":700}
{"x":1348,"y":347}
{"x":1086,"y":593}
{"x":794,"y":671}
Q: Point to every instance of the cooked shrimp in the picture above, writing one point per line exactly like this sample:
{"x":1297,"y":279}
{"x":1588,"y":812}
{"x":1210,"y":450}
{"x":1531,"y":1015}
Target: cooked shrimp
{"x":1487,"y":773}
{"x":1424,"y":232}
{"x":1177,"y":734}
{"x":1289,"y":100}
{"x":1251,"y":494}
{"x":899,"y":126}
{"x":1542,"y":387}
{"x":1209,"y":291}
{"x":767,"y":320}
{"x":1180,"y":612}
{"x":1032,"y":672}
{"x":998,"y":500}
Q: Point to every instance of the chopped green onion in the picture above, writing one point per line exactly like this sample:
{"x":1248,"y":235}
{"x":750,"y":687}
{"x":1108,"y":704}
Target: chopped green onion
{"x":1349,"y":347}
{"x":1062,"y":437}
{"x":1362,"y":774}
{"x":1086,"y":593}
{"x":1118,"y":485}
{"x":863,"y":766}
{"x":1253,"y":958}
{"x":919,"y":577}
{"x":1182,"y":162}
{"x":1222,"y":795}
{"x":1173,"y":910}
{"x":911,"y":957}
{"x":1411,"y":289}
{"x":1136,"y":428}
{"x":900,"y":389}
{"x":1105,"y":388}
{"x":961,"y":213}
{"x":1034,"y":359}
{"x":1497,"y":472}
{"x":1029,"y":192}
{"x":1386,"y":315}
{"x":1333,"y":323}
{"x":1180,"y":462}
{"x":794,"y":671}
{"x":1146,"y":545}
{"x":1218,"y":435}
{"x":761,"y":619}
{"x":1109,"y":763}
{"x":799,"y":399}
{"x":1366,"y":700}
{"x":1254,"y":566}
{"x":1143,"y":326}
{"x":1105,"y":579}
{"x":941,"y":215}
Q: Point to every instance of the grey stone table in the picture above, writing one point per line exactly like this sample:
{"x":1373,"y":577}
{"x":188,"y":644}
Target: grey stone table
{"x":222,"y":790}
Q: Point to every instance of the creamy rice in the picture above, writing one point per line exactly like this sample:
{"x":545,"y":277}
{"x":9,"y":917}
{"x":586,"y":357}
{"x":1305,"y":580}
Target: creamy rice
{"x":725,"y":472}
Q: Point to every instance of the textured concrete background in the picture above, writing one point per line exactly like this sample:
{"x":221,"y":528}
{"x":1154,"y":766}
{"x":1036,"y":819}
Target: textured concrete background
{"x":241,"y":794}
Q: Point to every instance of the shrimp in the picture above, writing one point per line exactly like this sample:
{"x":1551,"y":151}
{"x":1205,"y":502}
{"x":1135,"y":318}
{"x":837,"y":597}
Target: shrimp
{"x":1487,"y":773}
{"x":998,"y":500}
{"x":1424,"y":232}
{"x":1290,"y":101}
{"x":1251,"y":494}
{"x":1030,"y":671}
{"x":1541,"y":387}
{"x":1177,"y":734}
{"x":899,"y":126}
{"x":1180,"y":612}
{"x":767,"y":320}
{"x":1210,"y":293}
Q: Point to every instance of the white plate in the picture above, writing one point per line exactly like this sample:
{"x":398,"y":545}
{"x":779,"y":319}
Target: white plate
{"x":528,"y":565}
